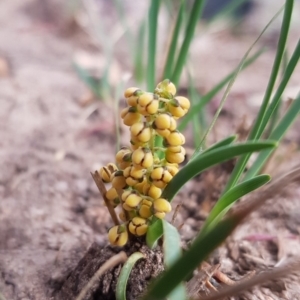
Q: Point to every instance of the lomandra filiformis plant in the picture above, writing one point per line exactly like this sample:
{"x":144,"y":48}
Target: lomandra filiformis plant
{"x":143,"y":170}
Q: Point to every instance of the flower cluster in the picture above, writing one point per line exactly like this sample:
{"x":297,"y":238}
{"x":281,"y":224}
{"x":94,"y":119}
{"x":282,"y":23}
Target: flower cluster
{"x":143,"y":170}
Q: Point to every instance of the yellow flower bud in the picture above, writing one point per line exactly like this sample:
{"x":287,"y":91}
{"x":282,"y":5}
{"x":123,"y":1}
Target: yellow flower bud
{"x":130,"y":116}
{"x":141,"y":132}
{"x":123,"y":158}
{"x":118,"y":180}
{"x":126,"y":207}
{"x":166,"y":89}
{"x":152,"y":191}
{"x":106,"y":172}
{"x":142,"y":158}
{"x":178,"y":106}
{"x":164,"y":121}
{"x":138,"y":226}
{"x":145,"y":209}
{"x":118,"y":235}
{"x":175,"y":157}
{"x":152,"y":107}
{"x":133,"y":175}
{"x":148,"y":104}
{"x":132,"y":95}
{"x":175,"y":138}
{"x":160,"y":177}
{"x":122,"y":216}
{"x":145,"y":99}
{"x":135,"y":143}
{"x":113,"y":196}
{"x":172,"y":168}
{"x":160,"y":215}
{"x":161,"y":205}
{"x":132,"y":200}
{"x":163,"y":132}
{"x":140,"y":186}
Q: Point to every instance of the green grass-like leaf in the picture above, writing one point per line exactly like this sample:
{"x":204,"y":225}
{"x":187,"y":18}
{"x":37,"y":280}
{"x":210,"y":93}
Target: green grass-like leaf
{"x":240,"y":166}
{"x":227,"y":199}
{"x":199,"y":250}
{"x":152,"y":26}
{"x":189,"y":33}
{"x":277,"y":135}
{"x":172,"y":253}
{"x":124,"y":275}
{"x":173,"y":45}
{"x":154,"y":233}
{"x":206,"y":160}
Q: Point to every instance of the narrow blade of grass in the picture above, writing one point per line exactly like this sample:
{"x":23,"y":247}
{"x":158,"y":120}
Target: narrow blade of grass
{"x":286,"y":77}
{"x":277,"y":135}
{"x":152,"y":27}
{"x":206,"y":160}
{"x":189,"y":33}
{"x":240,"y":166}
{"x":124,"y":275}
{"x":227,"y":199}
{"x":207,"y":97}
{"x":172,"y":253}
{"x":139,"y":54}
{"x":193,"y":96}
{"x":173,"y":45}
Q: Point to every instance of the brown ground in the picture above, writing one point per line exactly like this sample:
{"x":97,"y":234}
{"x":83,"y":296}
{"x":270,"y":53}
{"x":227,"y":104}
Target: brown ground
{"x":50,"y":209}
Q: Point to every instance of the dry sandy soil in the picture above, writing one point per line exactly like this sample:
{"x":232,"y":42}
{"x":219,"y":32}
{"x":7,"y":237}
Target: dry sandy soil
{"x":50,"y":139}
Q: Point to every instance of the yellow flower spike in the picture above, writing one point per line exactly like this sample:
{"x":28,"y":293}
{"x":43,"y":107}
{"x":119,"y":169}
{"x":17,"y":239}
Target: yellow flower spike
{"x":145,"y":209}
{"x":166,"y":88}
{"x":138,"y":226}
{"x":160,"y":177}
{"x":175,"y":157}
{"x":178,"y":106}
{"x":141,"y":132}
{"x":118,"y":235}
{"x":130,"y":116}
{"x":175,"y":138}
{"x":118,"y":180}
{"x":133,"y":199}
{"x":142,"y":158}
{"x":132,"y":95}
{"x":152,"y":191}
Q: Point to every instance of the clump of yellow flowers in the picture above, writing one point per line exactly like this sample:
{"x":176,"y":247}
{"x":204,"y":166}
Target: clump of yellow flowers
{"x":143,"y":170}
